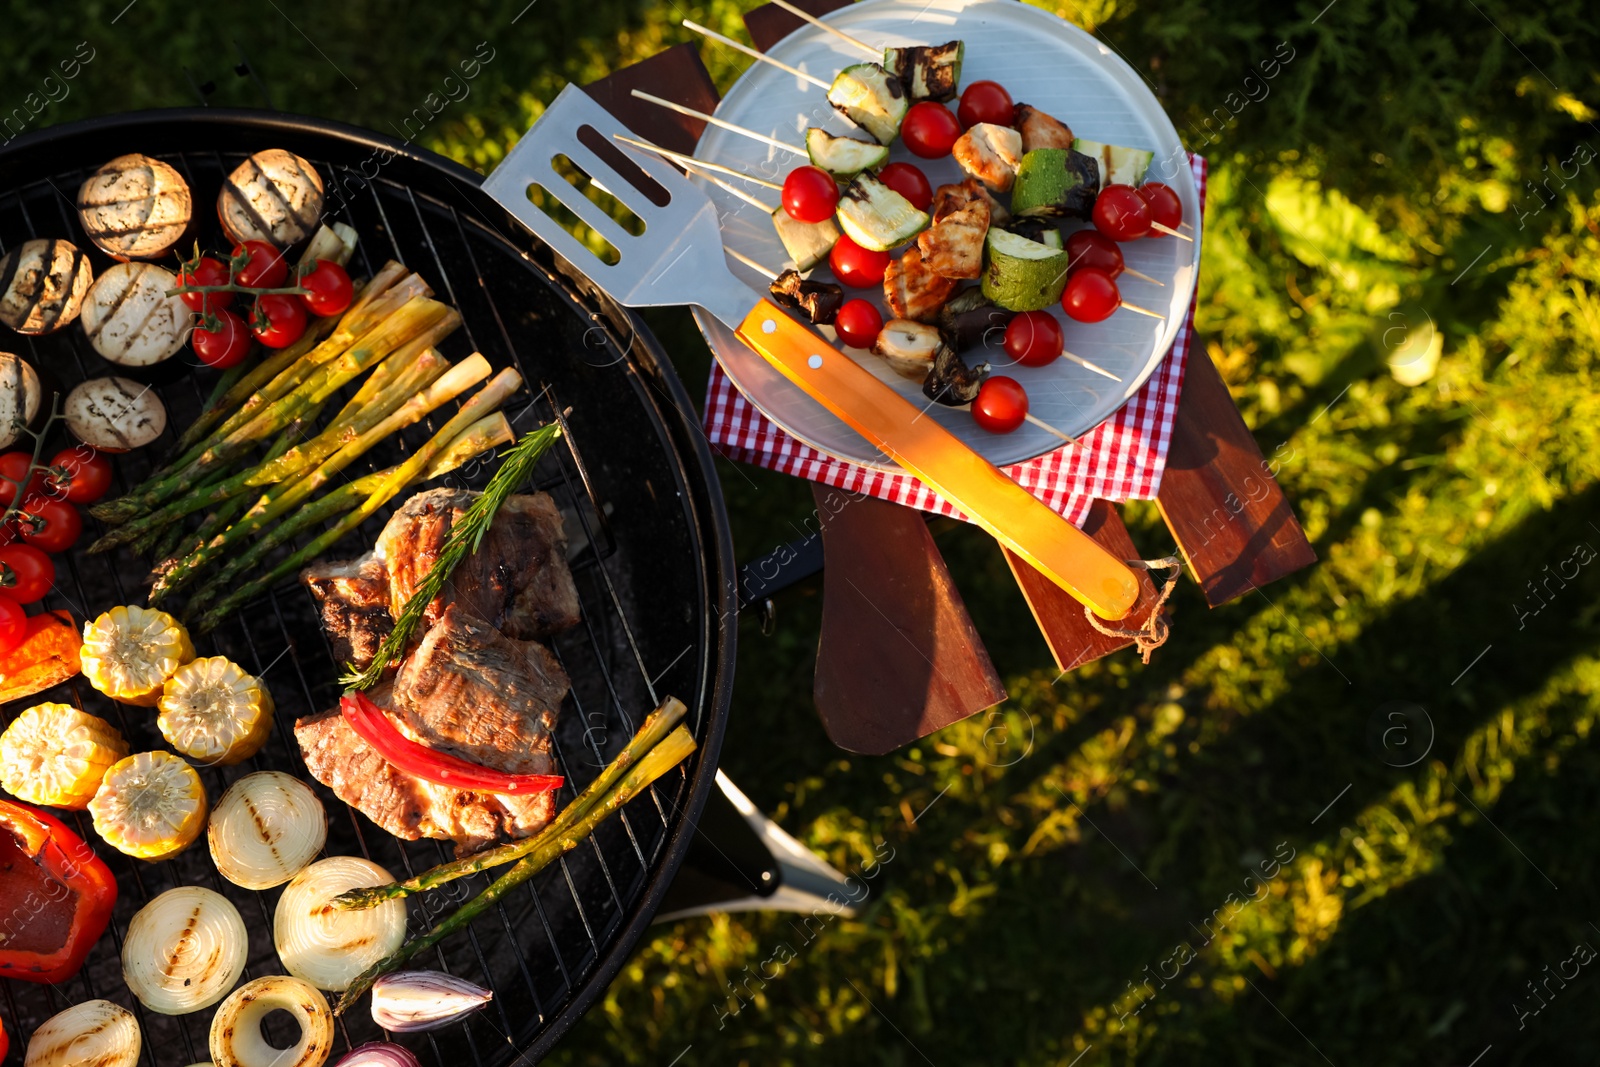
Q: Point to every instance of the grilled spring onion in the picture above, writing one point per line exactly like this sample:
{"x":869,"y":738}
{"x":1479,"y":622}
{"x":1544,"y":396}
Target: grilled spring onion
{"x":130,"y":319}
{"x":129,"y":653}
{"x":184,"y":950}
{"x":95,"y":1032}
{"x":236,"y":1038}
{"x":56,"y":755}
{"x":114,"y":414}
{"x":42,"y":285}
{"x":266,"y":829}
{"x":328,"y":946}
{"x":134,"y":207}
{"x":412,"y":1001}
{"x":215,"y":713}
{"x":150,"y":806}
{"x":20,"y":394}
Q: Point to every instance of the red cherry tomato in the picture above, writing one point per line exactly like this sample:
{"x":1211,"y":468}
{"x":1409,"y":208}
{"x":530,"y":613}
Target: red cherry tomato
{"x":929,"y":130}
{"x":1002,"y":404}
{"x":908,"y":180}
{"x":986,"y":102}
{"x":278,"y":321}
{"x":858,"y":323}
{"x":1091,"y":248}
{"x":51,"y":525}
{"x":857,"y":267}
{"x":209,"y":271}
{"x":329,"y":289}
{"x":79,"y":474}
{"x":1090,"y":295}
{"x":1121,"y":213}
{"x":1033,"y":338}
{"x":810,"y":194}
{"x":1165,"y":207}
{"x":226,"y":345}
{"x":265,"y":269}
{"x":26,"y":573}
{"x":14,"y":471}
{"x":13,"y":624}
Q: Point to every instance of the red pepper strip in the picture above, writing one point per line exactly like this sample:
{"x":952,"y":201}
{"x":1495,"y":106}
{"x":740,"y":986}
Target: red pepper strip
{"x":373,"y":726}
{"x":54,"y":908}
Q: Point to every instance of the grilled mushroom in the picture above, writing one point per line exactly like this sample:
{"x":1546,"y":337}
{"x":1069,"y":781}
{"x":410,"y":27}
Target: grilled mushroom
{"x":951,"y":382}
{"x":909,"y":347}
{"x":19,"y":397}
{"x":42,"y":285}
{"x":274,"y":196}
{"x":114,"y":414}
{"x":134,"y":207}
{"x":971,"y":320}
{"x":819,"y":300}
{"x":130,"y":319}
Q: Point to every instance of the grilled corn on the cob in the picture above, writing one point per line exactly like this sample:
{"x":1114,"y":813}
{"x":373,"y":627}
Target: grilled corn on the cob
{"x":213,"y":712}
{"x":151,"y":806}
{"x":54,"y":754}
{"x":129,"y":653}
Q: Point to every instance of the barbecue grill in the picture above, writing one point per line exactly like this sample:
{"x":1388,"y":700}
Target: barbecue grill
{"x":652,"y":560}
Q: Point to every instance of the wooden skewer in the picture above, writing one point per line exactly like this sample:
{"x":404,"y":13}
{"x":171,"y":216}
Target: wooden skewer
{"x":1143,"y":277}
{"x":752,"y":264}
{"x":1169,"y":231}
{"x":1036,"y":421}
{"x":1143,"y":311}
{"x":819,"y":24}
{"x":1080,"y":361}
{"x":740,"y":193}
{"x":690,"y":161}
{"x":713,"y":120}
{"x":755,"y":54}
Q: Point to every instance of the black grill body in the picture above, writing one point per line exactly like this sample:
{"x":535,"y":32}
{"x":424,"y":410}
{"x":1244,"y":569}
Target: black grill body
{"x":633,"y":476}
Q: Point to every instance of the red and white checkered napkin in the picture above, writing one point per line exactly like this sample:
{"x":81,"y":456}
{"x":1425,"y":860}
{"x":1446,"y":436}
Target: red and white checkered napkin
{"x":1121,"y":459}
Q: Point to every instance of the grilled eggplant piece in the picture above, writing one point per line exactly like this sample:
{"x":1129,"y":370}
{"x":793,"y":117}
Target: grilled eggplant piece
{"x":114,"y":414}
{"x":42,"y":285}
{"x":928,"y":72}
{"x":1055,"y":183}
{"x":912,"y":290}
{"x":274,"y":196}
{"x":872,"y":98}
{"x":130,"y":319}
{"x":909,"y":347}
{"x":1040,"y":130}
{"x":953,"y":248}
{"x":951,"y":382}
{"x":819,"y":300}
{"x":969,"y":318}
{"x":134,"y":207}
{"x":990,"y":154}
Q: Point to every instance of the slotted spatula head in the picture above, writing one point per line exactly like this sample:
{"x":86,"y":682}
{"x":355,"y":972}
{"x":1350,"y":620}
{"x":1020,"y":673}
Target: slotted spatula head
{"x":677,"y":260}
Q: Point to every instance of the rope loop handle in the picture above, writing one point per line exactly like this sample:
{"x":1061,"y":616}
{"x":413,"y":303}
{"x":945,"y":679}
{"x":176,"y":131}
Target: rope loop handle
{"x":1155,"y":631}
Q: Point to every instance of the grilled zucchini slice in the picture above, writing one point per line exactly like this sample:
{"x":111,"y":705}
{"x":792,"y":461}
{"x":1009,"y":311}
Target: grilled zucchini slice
{"x":1118,"y":165}
{"x":843,"y":157}
{"x":876,"y":217}
{"x":872,"y":98}
{"x":1023,"y":275}
{"x":808,"y":243}
{"x":928,"y":71}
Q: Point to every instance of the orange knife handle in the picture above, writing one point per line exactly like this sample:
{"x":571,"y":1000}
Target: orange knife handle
{"x":1014,"y":516}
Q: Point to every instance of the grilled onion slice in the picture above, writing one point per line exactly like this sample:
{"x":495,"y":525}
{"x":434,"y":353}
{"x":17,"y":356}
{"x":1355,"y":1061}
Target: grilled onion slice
{"x":95,"y":1032}
{"x":266,"y":828}
{"x":236,"y":1039}
{"x":134,"y":207}
{"x":327,"y":946}
{"x":42,"y":285}
{"x":184,"y":950}
{"x":130,"y":319}
{"x":274,"y":196}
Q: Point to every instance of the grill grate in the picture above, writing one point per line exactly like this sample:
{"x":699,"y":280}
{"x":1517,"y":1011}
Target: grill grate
{"x":649,"y":574}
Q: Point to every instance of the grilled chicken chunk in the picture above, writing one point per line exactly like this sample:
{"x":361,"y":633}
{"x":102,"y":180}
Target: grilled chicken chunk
{"x":1040,"y":130}
{"x":990,"y":154}
{"x":953,"y":247}
{"x":354,"y":598}
{"x":912,"y":289}
{"x":958,"y":195}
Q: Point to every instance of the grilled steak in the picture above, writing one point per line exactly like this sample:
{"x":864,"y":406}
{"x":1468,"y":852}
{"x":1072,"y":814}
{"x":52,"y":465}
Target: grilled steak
{"x":354,"y":598}
{"x":517,"y":580}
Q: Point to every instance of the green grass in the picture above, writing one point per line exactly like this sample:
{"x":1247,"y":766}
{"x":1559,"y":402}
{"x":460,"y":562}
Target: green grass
{"x":1347,"y":214}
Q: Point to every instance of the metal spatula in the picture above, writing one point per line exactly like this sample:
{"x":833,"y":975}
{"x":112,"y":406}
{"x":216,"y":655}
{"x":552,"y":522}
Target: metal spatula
{"x":679,"y":260}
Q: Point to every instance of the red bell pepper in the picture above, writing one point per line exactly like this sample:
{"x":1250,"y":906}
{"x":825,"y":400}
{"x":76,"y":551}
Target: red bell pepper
{"x":55,"y":896}
{"x":373,"y":726}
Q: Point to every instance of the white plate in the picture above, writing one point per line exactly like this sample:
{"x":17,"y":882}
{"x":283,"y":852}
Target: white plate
{"x":1042,"y":61}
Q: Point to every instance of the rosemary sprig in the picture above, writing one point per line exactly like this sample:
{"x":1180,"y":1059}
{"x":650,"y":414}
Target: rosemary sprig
{"x":465,"y":537}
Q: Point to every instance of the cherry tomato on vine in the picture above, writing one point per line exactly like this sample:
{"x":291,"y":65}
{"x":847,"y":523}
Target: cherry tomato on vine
{"x":329,"y":290}
{"x":208,"y":271}
{"x":51,"y":525}
{"x":1165,"y":207}
{"x":1121,"y":213}
{"x":858,"y":323}
{"x":1002,"y":404}
{"x":13,"y":624}
{"x":986,"y":101}
{"x":278,"y":320}
{"x":1091,"y":248}
{"x":857,"y":267}
{"x":1033,"y":338}
{"x":265,"y":269}
{"x":929,"y":130}
{"x":1090,"y":295}
{"x":226,"y":345}
{"x":79,"y":474}
{"x":810,"y":194}
{"x":13,"y":472}
{"x":908,"y":180}
{"x":26,"y":573}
